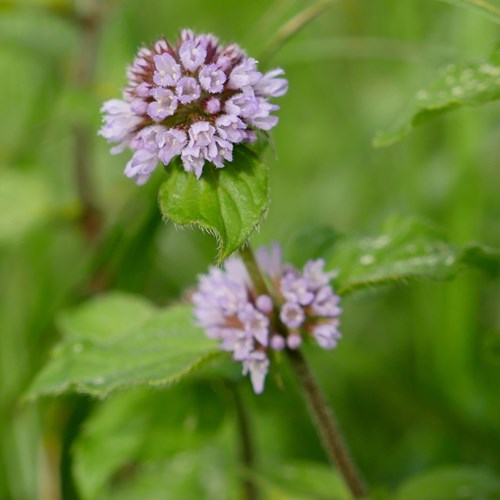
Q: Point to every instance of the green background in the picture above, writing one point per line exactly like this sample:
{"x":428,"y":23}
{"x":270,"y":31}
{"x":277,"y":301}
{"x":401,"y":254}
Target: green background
{"x":414,"y":380}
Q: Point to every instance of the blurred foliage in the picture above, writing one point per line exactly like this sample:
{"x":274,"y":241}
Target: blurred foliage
{"x":414,"y":378}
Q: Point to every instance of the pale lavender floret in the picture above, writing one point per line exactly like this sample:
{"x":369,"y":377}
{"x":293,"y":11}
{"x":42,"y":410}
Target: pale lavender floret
{"x":193,"y":160}
{"x":213,"y":106}
{"x":149,"y":138}
{"x":257,"y":364}
{"x":244,"y":104}
{"x":296,"y":289}
{"x":294,"y":341}
{"x":264,"y":304}
{"x":231,"y":128}
{"x":270,"y":86}
{"x":326,"y":303}
{"x":244,"y":74}
{"x":262,"y":118}
{"x":187,"y":90}
{"x":192,"y":55}
{"x":315,"y":273}
{"x":167,"y":70}
{"x":138,"y":106}
{"x":200,"y":134}
{"x":269,"y":259}
{"x":141,"y":166}
{"x":119,"y":123}
{"x":326,"y":335}
{"x":165,"y":104}
{"x":172,"y":143}
{"x":218,"y":151}
{"x":255,"y":323}
{"x":292,"y":315}
{"x":239,"y":342}
{"x":143,"y":89}
{"x":277,"y":343}
{"x":212,"y":78}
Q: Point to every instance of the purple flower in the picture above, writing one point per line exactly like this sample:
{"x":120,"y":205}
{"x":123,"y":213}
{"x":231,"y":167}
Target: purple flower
{"x":196,"y":80}
{"x":301,"y":305}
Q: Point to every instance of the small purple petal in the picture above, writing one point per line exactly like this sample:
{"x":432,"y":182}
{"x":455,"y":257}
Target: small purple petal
{"x":187,"y":90}
{"x":201,"y":134}
{"x":167,"y":70}
{"x":193,"y":160}
{"x":270,"y":86}
{"x":244,"y":74}
{"x":294,"y":341}
{"x":264,"y":303}
{"x":192,"y":55}
{"x":173,"y":142}
{"x":213,"y":106}
{"x":165,"y":104}
{"x":258,"y":366}
{"x":212,"y":78}
{"x":292,"y":315}
{"x":277,"y":343}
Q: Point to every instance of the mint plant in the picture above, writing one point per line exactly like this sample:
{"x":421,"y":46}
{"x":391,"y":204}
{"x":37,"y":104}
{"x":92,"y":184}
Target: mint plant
{"x":203,"y":111}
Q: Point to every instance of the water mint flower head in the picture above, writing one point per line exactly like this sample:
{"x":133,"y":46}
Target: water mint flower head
{"x":194,"y":98}
{"x":301,"y":306}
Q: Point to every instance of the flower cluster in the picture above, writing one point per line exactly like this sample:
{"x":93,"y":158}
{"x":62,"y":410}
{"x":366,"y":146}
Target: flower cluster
{"x":195,"y":99}
{"x":303,"y":305}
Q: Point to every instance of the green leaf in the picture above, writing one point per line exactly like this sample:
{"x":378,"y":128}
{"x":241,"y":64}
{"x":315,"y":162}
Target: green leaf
{"x":311,"y":242}
{"x":302,"y":481}
{"x":457,"y":85}
{"x":24,"y":202}
{"x":228,"y":202}
{"x":162,"y":350}
{"x":142,"y":426}
{"x":451,"y":483}
{"x":406,"y":249}
{"x":487,"y":8}
{"x":109,"y":316}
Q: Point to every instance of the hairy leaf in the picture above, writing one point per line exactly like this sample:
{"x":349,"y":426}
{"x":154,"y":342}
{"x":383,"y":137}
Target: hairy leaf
{"x":406,"y":249}
{"x":228,"y":202}
{"x":161,"y":350}
{"x":453,"y":483}
{"x":457,"y":85}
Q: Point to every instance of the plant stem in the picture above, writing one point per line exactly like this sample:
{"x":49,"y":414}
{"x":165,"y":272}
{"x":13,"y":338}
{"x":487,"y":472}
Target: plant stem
{"x":253,"y":269}
{"x":326,"y":425}
{"x":247,"y":456}
{"x":321,"y":413}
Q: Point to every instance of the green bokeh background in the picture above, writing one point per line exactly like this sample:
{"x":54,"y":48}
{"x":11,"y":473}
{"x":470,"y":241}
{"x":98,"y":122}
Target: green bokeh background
{"x":415,"y":379}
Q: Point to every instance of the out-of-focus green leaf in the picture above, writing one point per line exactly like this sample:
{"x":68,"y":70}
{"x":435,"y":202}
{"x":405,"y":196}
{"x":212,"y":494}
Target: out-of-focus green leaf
{"x":303,"y":481}
{"x":487,"y":8}
{"x":207,"y":473}
{"x":311,"y":242}
{"x":451,"y":483}
{"x":106,"y":317}
{"x":24,"y":202}
{"x":162,"y":350}
{"x":142,"y":426}
{"x":228,"y":202}
{"x":458,"y":85}
{"x":406,"y":249}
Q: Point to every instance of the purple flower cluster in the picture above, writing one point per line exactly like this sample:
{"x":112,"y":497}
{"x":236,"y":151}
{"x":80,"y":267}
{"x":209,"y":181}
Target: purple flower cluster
{"x":195,"y":99}
{"x":303,"y":305}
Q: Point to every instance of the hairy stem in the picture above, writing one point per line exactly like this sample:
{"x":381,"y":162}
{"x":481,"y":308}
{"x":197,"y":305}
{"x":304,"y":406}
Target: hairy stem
{"x":326,"y":425}
{"x":247,"y":455}
{"x":253,"y":269}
